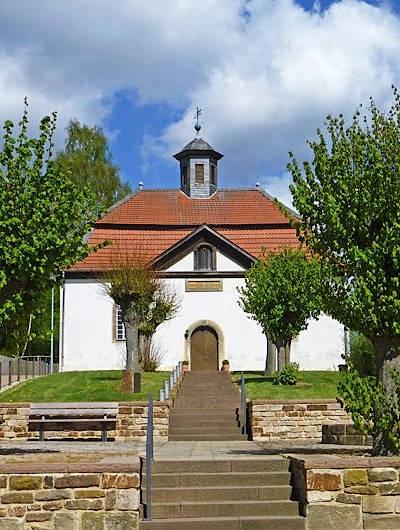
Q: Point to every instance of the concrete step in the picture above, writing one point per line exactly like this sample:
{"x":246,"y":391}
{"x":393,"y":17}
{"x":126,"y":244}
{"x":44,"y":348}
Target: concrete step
{"x":224,"y":509}
{"x":229,"y":479}
{"x":220,"y":493}
{"x":207,"y":437}
{"x":268,"y":465}
{"x":226,"y":523}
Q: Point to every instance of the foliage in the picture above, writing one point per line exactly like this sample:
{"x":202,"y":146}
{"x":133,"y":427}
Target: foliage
{"x":314,"y":385}
{"x":43,"y":218}
{"x":152,"y":358}
{"x":101,"y":385}
{"x":282,"y":291}
{"x":372,"y":410}
{"x":88,"y":157}
{"x":362,"y":355}
{"x":289,"y":375}
{"x":349,"y":200}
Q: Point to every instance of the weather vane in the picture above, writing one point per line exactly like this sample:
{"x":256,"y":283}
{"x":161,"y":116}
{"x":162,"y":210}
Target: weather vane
{"x":197,"y":125}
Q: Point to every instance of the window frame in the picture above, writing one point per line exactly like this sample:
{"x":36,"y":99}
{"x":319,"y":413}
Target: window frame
{"x":118,"y":325}
{"x":198,"y":261}
{"x":197,"y":179}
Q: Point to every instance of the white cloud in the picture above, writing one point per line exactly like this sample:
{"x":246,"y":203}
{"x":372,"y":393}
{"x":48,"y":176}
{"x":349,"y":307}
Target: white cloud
{"x":264,"y":81}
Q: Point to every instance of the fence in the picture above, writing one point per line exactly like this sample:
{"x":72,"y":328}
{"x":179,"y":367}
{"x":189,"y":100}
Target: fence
{"x":15,"y":369}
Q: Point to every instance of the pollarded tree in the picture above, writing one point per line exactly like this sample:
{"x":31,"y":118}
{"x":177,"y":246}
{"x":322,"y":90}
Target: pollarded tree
{"x":282,"y":293}
{"x":142,"y":297}
{"x":349,"y":199}
{"x":43,"y":217}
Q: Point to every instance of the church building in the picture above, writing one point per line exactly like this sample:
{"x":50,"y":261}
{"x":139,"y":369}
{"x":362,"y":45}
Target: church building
{"x":201,"y":239}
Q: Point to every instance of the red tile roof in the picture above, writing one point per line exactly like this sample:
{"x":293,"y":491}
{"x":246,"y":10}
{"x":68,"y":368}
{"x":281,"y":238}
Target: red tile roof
{"x":150,"y":222}
{"x":173,"y":207}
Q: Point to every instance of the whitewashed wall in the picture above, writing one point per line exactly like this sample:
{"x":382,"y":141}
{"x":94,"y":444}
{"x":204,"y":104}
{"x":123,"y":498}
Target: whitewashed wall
{"x":88,"y":341}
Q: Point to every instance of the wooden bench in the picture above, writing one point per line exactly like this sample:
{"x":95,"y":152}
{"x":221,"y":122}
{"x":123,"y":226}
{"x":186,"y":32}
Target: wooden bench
{"x":103,"y":415}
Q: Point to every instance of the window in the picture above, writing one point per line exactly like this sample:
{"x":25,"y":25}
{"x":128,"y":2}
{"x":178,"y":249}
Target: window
{"x":184,"y":175}
{"x":199,"y":173}
{"x":204,"y":259}
{"x":213,"y":175}
{"x":119,"y":325}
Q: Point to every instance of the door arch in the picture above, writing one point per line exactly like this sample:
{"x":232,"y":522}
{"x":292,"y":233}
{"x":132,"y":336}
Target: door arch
{"x":204,"y":349}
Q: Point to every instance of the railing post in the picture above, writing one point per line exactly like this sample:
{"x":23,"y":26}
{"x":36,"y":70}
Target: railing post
{"x":244,"y":404}
{"x":19,"y":369}
{"x":166,"y":388}
{"x":33,"y":367}
{"x":171,"y":382}
{"x":162,"y":395}
{"x":26,"y":369}
{"x":149,"y":455}
{"x":9,"y":372}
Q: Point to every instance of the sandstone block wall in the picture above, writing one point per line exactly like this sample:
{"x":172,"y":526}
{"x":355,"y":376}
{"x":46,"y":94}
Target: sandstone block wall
{"x":344,"y":434}
{"x":343,"y":493}
{"x":46,"y":496}
{"x":273,"y":420}
{"x":131,"y":423}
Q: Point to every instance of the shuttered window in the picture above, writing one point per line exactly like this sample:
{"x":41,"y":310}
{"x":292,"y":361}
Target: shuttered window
{"x":204,"y":259}
{"x":199,"y":173}
{"x":213,"y":175}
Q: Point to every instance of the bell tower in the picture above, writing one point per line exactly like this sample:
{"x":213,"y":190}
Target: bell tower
{"x":199,"y":166}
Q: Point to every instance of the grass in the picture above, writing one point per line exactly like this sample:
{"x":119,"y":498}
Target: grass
{"x":313,"y":385}
{"x":101,"y":385}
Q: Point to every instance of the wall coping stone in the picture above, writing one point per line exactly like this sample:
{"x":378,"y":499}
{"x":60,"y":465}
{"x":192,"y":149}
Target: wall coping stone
{"x":292,"y":401}
{"x":10,"y":405}
{"x":343,"y":462}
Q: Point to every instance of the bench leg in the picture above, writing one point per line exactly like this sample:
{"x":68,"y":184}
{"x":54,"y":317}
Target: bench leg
{"x":41,"y":430}
{"x":104,"y":430}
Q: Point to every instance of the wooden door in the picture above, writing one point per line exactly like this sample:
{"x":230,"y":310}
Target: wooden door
{"x":204,"y":349}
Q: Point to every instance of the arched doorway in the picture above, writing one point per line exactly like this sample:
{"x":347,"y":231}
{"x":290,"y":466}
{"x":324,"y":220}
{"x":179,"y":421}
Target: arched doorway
{"x":204,"y":349}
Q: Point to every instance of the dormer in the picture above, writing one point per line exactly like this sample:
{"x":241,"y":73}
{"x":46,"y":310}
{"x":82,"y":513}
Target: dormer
{"x":199,"y":169}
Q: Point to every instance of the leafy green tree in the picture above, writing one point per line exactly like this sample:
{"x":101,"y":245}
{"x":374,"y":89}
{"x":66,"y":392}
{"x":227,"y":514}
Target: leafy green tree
{"x":349,"y":200}
{"x":43,"y":218}
{"x":88,"y":156}
{"x":281,"y":293}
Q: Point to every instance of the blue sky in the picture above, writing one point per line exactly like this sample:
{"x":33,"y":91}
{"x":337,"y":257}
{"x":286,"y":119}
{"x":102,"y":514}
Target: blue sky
{"x":265,"y":81}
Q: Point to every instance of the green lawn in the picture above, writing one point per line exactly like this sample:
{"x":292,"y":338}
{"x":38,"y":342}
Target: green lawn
{"x":317,"y":384}
{"x":82,"y":386}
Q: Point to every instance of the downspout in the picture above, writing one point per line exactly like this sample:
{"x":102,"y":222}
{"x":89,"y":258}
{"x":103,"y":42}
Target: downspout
{"x":62,"y":322}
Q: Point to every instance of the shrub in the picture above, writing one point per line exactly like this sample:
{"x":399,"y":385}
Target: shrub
{"x":372,"y":411}
{"x":151,"y":358}
{"x":362,"y":354}
{"x":289,"y":375}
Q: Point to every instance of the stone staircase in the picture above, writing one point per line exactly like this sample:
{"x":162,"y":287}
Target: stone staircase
{"x":206,"y":408}
{"x":242,"y":493}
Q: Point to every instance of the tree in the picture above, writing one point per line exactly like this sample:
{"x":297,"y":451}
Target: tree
{"x":349,"y":199}
{"x":43,"y":217}
{"x":145,"y":303}
{"x":282,"y":292}
{"x":88,"y":156}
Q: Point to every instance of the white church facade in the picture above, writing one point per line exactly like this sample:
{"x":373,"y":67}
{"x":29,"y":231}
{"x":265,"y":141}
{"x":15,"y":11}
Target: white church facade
{"x":201,"y":240}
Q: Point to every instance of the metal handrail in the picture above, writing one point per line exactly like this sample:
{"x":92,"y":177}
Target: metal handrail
{"x":170,"y":382}
{"x":149,"y":456}
{"x":243,"y":403}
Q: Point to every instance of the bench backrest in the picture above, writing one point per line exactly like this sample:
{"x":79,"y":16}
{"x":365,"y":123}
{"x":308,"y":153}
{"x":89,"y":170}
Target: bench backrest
{"x":74,"y":409}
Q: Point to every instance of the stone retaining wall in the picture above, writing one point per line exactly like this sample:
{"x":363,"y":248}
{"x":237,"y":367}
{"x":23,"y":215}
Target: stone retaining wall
{"x":75,"y":495}
{"x":344,"y":434}
{"x":273,"y":420}
{"x":343,"y":493}
{"x":131,"y":423}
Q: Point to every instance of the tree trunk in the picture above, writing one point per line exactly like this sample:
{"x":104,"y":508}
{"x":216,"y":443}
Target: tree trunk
{"x":281,"y":357}
{"x":388,"y":359}
{"x":270,"y":361}
{"x":132,"y":378}
{"x":287,"y":353}
{"x":144,"y":346}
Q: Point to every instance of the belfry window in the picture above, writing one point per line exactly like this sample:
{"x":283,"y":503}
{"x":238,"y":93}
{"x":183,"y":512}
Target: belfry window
{"x":204,"y":259}
{"x":213,"y":175}
{"x":184,"y":175}
{"x":199,"y":173}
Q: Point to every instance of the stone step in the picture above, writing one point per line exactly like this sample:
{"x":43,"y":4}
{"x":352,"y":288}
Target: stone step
{"x":195,"y":411}
{"x":220,"y":493}
{"x":195,"y":404}
{"x":234,"y":478}
{"x":249,"y":465}
{"x":223,"y":509}
{"x":199,"y":431}
{"x":188,"y":421}
{"x":227,"y":523}
{"x":215,"y":437}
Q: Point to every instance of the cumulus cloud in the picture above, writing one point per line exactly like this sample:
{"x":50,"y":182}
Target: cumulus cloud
{"x":266,"y":72}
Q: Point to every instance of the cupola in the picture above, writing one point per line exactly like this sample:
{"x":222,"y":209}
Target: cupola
{"x":199,"y":168}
